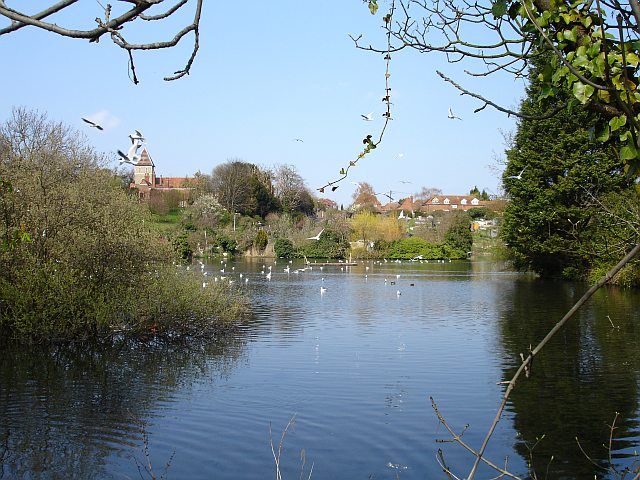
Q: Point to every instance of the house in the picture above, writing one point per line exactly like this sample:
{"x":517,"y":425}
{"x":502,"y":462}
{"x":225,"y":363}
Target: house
{"x":450,"y":202}
{"x":147,"y":183}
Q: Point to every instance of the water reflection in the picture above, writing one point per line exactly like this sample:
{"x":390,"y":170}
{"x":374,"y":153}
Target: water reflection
{"x":580,"y":380}
{"x":66,"y":412}
{"x":356,"y":364}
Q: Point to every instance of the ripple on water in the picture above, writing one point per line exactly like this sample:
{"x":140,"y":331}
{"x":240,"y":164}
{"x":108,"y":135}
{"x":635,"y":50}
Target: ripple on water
{"x":356,"y":366}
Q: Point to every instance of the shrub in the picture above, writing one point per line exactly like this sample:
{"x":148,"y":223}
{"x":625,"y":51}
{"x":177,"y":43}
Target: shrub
{"x":93,"y":265}
{"x":227,"y":244}
{"x":459,"y":237}
{"x":182,"y":248}
{"x":284,"y":248}
{"x":330,"y":245}
{"x":261,"y":240}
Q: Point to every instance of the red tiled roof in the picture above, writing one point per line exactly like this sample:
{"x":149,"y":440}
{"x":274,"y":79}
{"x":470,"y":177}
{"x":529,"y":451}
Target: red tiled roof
{"x":145,"y":159}
{"x":172,"y":182}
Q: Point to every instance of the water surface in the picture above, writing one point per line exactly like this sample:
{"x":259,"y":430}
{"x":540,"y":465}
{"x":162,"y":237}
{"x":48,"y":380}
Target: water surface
{"x":356,"y":365}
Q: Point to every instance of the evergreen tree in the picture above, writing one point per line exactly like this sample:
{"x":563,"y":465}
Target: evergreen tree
{"x":555,"y":172}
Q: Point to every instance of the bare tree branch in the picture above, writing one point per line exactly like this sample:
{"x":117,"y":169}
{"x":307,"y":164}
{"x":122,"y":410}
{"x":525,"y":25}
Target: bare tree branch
{"x":114,"y":27}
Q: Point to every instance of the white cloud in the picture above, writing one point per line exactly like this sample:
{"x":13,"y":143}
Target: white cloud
{"x":105,"y":119}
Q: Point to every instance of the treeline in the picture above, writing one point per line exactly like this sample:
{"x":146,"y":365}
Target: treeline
{"x":241,"y":207}
{"x":79,"y":258}
{"x":573,"y":211}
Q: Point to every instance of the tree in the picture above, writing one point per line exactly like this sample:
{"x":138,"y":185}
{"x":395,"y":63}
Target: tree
{"x":426,"y":193}
{"x":364,"y":198}
{"x":115,"y":23}
{"x":370,"y":227}
{"x":243,"y":188}
{"x":207,"y":212}
{"x":593,"y":57}
{"x":458,"y":237}
{"x":91,"y":263}
{"x":362,"y":225}
{"x":289,"y":188}
{"x":555,"y":170}
{"x":230,"y":184}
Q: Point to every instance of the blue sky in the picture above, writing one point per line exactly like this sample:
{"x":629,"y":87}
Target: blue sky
{"x":266,"y":73}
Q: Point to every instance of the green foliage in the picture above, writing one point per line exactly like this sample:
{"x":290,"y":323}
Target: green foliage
{"x":481,"y":212}
{"x":330,"y":245}
{"x":62,"y":304}
{"x":95,"y":263}
{"x":226,"y":243}
{"x":598,"y":68}
{"x":182,"y":248}
{"x":261,"y":240}
{"x":458,"y":237}
{"x":549,"y":225}
{"x":411,"y":247}
{"x":284,"y":248}
{"x":261,"y":200}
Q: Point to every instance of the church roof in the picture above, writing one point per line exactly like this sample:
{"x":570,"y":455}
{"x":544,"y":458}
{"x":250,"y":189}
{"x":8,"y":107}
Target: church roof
{"x":145,"y":159}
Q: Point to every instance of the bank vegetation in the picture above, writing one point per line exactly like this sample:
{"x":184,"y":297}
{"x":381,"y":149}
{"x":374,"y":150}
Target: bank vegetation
{"x":79,"y":257}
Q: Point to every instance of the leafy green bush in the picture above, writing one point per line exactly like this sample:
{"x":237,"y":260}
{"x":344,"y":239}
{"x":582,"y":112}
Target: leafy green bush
{"x":93,"y":265}
{"x":407,"y":248}
{"x":411,"y":247}
{"x":227,"y":244}
{"x":481,"y":212}
{"x":284,"y":248}
{"x":330,"y":245}
{"x":182,"y":248}
{"x":458,"y":238}
{"x":261,"y":240}
{"x":62,"y":304}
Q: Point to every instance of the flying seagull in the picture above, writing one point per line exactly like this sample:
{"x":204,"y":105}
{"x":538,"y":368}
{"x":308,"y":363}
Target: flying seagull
{"x":136,"y":136}
{"x":519,"y":176}
{"x":404,"y":181}
{"x":93,"y":124}
{"x":131,"y":156}
{"x":368,"y":117}
{"x":298,"y":140}
{"x":317,"y":237}
{"x":451,"y":116}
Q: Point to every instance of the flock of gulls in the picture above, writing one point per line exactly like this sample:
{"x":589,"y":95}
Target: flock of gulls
{"x":228,"y":274}
{"x":132,"y":156}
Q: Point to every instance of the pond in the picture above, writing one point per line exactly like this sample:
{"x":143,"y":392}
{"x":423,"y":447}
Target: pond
{"x":355,"y":364}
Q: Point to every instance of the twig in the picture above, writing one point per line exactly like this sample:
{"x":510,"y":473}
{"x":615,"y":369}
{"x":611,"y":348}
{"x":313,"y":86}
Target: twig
{"x":458,"y":439}
{"x":487,"y":102}
{"x":276,"y":456}
{"x":368,"y":141}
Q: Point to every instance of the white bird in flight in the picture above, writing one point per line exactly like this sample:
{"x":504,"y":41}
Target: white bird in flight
{"x":93,"y":124}
{"x":519,"y":176}
{"x":136,"y":136}
{"x":131,"y":156}
{"x":451,"y":115}
{"x":368,"y":117}
{"x":317,"y":237}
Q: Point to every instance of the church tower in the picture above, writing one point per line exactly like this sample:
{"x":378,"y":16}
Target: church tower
{"x":144,"y":172}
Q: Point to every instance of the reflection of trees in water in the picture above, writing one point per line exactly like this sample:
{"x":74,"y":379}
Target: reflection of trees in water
{"x":580,"y":379}
{"x":64,"y":411}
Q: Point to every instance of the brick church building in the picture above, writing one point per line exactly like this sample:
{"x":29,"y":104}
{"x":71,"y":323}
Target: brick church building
{"x":147,"y":183}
